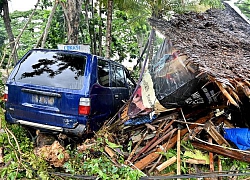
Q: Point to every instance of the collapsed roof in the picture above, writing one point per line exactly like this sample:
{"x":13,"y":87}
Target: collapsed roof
{"x":218,"y":40}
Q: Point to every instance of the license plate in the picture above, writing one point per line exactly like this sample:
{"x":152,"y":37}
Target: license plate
{"x":43,"y":100}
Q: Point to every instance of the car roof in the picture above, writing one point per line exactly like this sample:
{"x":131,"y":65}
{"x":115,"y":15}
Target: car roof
{"x":75,"y":52}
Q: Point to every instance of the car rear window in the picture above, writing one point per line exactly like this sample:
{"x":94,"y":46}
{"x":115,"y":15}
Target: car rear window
{"x":51,"y":68}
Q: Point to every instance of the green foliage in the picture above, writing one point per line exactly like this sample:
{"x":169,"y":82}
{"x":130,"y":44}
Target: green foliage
{"x":19,"y":158}
{"x":105,"y":169}
{"x":244,"y":6}
{"x":45,"y":4}
{"x":1,"y":5}
{"x":57,"y":33}
{"x":22,"y":163}
{"x":30,"y":35}
{"x":212,"y":3}
{"x":229,"y":164}
{"x":2,"y":34}
{"x":123,"y":44}
{"x":93,"y":162}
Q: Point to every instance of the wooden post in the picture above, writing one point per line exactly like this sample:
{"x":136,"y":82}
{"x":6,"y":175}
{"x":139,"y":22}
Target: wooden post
{"x":219,"y":167}
{"x":211,"y":157}
{"x":179,"y":152}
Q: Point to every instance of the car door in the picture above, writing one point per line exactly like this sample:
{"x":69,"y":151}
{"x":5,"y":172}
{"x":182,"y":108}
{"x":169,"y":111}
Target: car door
{"x":119,"y":85}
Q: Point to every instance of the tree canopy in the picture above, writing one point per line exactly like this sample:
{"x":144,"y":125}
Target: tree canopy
{"x":58,"y":22}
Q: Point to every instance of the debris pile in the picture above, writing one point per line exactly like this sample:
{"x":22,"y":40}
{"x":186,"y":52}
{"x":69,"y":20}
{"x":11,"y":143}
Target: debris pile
{"x":196,"y":90}
{"x":203,"y":127}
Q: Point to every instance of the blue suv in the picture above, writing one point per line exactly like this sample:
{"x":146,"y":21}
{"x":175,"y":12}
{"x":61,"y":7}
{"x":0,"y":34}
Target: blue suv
{"x":65,"y":91}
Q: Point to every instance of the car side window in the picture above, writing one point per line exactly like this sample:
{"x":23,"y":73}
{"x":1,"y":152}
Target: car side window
{"x":120,"y":77}
{"x":117,"y":76}
{"x":103,"y":73}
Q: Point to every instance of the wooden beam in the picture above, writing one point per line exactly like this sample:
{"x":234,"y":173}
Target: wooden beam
{"x":234,"y":154}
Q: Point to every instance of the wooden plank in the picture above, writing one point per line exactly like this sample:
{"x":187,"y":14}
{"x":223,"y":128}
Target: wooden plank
{"x":154,"y":155}
{"x":195,"y":161}
{"x":166,"y":164}
{"x":136,"y":147}
{"x":145,"y":148}
{"x":149,"y":126}
{"x":234,"y":154}
{"x":224,"y":91}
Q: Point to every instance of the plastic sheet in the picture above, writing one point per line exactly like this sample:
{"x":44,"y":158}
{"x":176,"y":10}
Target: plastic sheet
{"x":239,"y":136}
{"x":174,"y":78}
{"x":140,"y":120}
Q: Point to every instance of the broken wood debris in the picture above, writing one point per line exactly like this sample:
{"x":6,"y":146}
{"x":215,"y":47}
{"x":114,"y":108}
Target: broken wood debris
{"x":206,"y":121}
{"x":147,"y":151}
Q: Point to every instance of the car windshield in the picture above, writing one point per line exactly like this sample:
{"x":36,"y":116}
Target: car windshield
{"x":51,"y":68}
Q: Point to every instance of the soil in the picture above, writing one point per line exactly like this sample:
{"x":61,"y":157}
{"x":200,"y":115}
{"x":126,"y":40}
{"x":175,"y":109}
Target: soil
{"x":218,"y":40}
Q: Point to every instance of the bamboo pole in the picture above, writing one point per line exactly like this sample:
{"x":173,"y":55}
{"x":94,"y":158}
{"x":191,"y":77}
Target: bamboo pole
{"x":178,"y":152}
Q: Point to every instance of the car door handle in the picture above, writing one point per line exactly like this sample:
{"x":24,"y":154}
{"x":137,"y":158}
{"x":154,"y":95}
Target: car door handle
{"x":116,"y":96}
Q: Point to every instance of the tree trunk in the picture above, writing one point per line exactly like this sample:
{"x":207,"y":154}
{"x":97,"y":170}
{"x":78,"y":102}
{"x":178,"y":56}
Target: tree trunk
{"x":151,"y":50}
{"x":20,"y":34}
{"x":93,"y":29}
{"x":140,"y":39}
{"x":88,"y":24}
{"x":100,"y":30}
{"x":109,"y":26}
{"x":72,"y":10}
{"x":6,"y":18}
{"x":46,"y":31}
